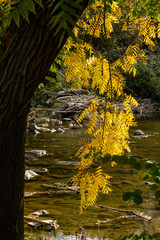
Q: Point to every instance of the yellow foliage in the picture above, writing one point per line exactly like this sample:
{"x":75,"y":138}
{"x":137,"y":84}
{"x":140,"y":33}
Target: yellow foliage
{"x":144,"y":27}
{"x":158,"y":30}
{"x":90,"y":184}
{"x":109,"y":123}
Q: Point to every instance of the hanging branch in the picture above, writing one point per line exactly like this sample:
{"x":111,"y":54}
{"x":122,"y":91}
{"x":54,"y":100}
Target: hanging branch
{"x":134,"y":213}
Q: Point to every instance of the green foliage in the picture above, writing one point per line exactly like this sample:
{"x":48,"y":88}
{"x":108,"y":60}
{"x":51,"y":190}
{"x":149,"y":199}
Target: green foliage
{"x":135,"y":195}
{"x":152,"y":172}
{"x":63,"y":15}
{"x":20,"y":9}
{"x":147,"y":8}
{"x":145,"y":84}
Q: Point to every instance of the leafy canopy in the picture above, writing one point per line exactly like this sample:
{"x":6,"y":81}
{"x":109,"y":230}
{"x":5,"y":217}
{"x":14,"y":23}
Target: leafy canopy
{"x":88,"y":67}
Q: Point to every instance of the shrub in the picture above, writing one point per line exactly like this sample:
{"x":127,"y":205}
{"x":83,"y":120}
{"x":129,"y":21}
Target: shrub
{"x":145,"y":84}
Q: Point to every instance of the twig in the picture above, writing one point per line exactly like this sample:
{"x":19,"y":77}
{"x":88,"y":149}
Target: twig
{"x":117,"y":218}
{"x":135,"y":213}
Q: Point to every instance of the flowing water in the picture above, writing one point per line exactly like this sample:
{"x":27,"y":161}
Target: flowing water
{"x":59,"y":166}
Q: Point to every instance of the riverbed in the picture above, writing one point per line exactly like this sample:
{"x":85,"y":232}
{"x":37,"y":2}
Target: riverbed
{"x":59,"y":166}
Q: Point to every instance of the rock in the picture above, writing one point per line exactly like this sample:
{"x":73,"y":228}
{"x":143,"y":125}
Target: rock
{"x":42,"y":120}
{"x":56,"y":122}
{"x":75,"y":126}
{"x":60,"y":130}
{"x":40,"y":213}
{"x":33,"y":127}
{"x":43,"y":125}
{"x":42,"y":129}
{"x":67,"y":119}
{"x":149,"y":183}
{"x":43,"y":224}
{"x":53,"y":130}
{"x":138,"y":132}
{"x":30,"y":174}
{"x":38,"y":153}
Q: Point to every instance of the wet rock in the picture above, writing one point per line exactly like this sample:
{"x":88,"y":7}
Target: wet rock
{"x":45,"y":224}
{"x":138,"y":132}
{"x":67,"y":119}
{"x":149,"y":183}
{"x":29,"y":174}
{"x":53,"y":130}
{"x":56,"y":122}
{"x":33,"y":127}
{"x":44,"y":125}
{"x":38,"y":119}
{"x":75,"y":126}
{"x":38,"y":153}
{"x":40,"y":213}
{"x":60,"y":130}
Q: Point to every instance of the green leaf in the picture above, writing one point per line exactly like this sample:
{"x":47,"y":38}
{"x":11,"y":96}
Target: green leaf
{"x":135,"y":237}
{"x":30,"y":5}
{"x":106,"y":158}
{"x":107,"y":8}
{"x":145,"y":235}
{"x":15,"y":2}
{"x":157,"y":194}
{"x":71,"y":33}
{"x":131,"y":235}
{"x":68,"y":18}
{"x":138,"y":191}
{"x":126,"y":196}
{"x":153,"y":187}
{"x":87,"y":155}
{"x":75,"y":4}
{"x":16,"y":16}
{"x":90,"y":2}
{"x":57,"y":6}
{"x":137,"y":166}
{"x":156,"y":235}
{"x":145,"y":175}
{"x":157,"y":179}
{"x":149,"y":164}
{"x":115,"y":158}
{"x":41,"y":85}
{"x":61,"y":39}
{"x":56,"y":19}
{"x":23,"y":10}
{"x":62,"y":24}
{"x":9,"y":18}
{"x":39,"y":3}
{"x":69,"y":10}
{"x":123,"y":160}
{"x":138,"y":199}
{"x":96,"y":155}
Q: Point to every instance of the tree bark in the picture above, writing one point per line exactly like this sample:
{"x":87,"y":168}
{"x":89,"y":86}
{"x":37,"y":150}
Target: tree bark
{"x":26,"y":62}
{"x":12,"y":143}
{"x":22,"y":68}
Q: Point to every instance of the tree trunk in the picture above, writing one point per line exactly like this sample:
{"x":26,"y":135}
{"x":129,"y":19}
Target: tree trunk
{"x":12,"y":143}
{"x":23,"y":67}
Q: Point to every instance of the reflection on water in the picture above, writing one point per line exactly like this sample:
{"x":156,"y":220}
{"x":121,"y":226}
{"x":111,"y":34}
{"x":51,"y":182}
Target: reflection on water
{"x":59,"y":166}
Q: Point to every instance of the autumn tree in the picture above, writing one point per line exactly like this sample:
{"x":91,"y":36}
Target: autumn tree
{"x":32,"y":34}
{"x":89,"y":67}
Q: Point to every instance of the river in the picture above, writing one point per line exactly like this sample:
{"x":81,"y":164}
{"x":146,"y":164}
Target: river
{"x":59,"y":166}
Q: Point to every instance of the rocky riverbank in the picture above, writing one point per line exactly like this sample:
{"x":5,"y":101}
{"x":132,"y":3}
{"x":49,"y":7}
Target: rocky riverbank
{"x":71,"y":104}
